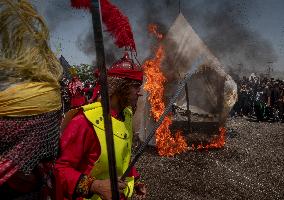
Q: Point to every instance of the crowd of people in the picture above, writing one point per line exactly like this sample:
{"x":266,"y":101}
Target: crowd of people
{"x":261,"y":98}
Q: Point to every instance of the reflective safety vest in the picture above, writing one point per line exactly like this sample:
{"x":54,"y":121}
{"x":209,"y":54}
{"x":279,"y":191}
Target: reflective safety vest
{"x":122,"y":131}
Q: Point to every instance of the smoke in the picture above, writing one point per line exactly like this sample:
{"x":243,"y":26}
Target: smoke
{"x":140,"y":14}
{"x":223,"y":26}
{"x":232,"y":42}
{"x":87,"y":45}
{"x":57,"y":12}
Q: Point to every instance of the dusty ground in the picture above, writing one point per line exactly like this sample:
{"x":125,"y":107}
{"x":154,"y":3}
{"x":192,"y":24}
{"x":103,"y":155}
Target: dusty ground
{"x":251,"y":166}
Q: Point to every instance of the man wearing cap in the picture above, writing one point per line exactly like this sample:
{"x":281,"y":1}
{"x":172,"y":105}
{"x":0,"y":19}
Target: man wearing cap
{"x":81,"y":170}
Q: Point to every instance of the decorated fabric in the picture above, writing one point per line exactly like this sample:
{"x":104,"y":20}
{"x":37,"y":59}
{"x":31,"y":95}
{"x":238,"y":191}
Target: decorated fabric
{"x":84,"y":185}
{"x":65,"y":95}
{"x":30,"y":98}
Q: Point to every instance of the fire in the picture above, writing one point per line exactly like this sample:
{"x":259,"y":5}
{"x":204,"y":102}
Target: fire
{"x":216,"y":143}
{"x":167,"y":144}
{"x":153,"y":28}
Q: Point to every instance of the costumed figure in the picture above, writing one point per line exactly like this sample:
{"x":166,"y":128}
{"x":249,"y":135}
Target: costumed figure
{"x":75,"y":88}
{"x":88,"y":90}
{"x":30,"y":103}
{"x":81,"y":170}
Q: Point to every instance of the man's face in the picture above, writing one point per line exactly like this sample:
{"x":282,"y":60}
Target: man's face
{"x":133,"y":95}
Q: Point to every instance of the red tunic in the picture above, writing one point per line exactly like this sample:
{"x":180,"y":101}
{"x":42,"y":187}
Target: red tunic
{"x":79,"y":150}
{"x":76,"y":91}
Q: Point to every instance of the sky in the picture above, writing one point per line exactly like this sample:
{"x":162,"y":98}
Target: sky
{"x":250,"y":32}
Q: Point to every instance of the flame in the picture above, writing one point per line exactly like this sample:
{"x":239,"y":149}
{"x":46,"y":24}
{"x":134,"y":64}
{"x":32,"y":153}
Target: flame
{"x":153,"y":28}
{"x":215,"y":143}
{"x":167,"y":144}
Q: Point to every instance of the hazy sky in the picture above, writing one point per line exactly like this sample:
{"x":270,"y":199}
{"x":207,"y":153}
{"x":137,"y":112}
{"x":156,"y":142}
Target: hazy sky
{"x":262,"y":20}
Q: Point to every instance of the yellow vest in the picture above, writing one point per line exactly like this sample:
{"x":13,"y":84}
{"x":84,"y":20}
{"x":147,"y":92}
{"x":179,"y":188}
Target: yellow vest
{"x":123,"y":135}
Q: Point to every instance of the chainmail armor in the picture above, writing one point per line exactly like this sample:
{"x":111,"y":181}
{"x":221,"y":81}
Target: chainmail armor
{"x":28,"y":140}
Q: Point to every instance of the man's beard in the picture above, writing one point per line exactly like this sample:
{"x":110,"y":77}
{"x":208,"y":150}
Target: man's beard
{"x":128,"y":103}
{"x":134,"y":107}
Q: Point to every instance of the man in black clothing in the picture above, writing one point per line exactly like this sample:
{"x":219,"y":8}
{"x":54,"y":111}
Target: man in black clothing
{"x":275,"y":101}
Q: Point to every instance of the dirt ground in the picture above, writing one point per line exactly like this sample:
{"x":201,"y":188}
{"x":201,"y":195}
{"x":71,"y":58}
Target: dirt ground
{"x":250,"y":166}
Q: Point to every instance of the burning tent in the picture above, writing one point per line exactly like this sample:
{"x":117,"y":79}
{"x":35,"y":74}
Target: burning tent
{"x":212,"y":93}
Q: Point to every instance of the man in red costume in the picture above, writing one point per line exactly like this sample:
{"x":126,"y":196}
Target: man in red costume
{"x":76,"y":92}
{"x":81,"y":170}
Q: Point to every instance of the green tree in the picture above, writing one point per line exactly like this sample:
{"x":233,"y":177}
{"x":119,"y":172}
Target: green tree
{"x":85,"y":72}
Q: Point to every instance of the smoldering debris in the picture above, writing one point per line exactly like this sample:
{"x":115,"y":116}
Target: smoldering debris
{"x":242,"y":170}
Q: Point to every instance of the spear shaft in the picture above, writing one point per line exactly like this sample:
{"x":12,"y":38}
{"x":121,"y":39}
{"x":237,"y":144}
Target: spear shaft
{"x":100,"y":56}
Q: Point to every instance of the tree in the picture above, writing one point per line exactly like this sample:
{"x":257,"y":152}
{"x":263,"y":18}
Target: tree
{"x":85,"y":72}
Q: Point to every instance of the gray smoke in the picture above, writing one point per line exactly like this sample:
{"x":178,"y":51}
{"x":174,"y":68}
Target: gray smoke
{"x":221,"y":24}
{"x":233,"y":42}
{"x":140,"y":14}
{"x":57,"y":12}
{"x":87,"y":45}
{"x":223,"y":27}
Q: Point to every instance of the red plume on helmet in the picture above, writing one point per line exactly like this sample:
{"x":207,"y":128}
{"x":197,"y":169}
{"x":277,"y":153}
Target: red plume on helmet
{"x":81,"y":3}
{"x":116,"y":23}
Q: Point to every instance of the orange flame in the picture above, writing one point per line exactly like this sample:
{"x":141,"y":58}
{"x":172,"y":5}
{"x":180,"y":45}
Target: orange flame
{"x":153,"y":28}
{"x":216,"y":143}
{"x":167,"y":144}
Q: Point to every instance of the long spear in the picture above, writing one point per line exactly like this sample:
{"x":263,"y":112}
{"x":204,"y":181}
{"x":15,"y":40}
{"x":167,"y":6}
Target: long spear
{"x":100,"y":54}
{"x":95,"y":9}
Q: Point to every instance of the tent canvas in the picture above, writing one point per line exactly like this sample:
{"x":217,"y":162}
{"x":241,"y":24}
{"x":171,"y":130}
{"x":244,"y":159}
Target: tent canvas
{"x":210,"y":89}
